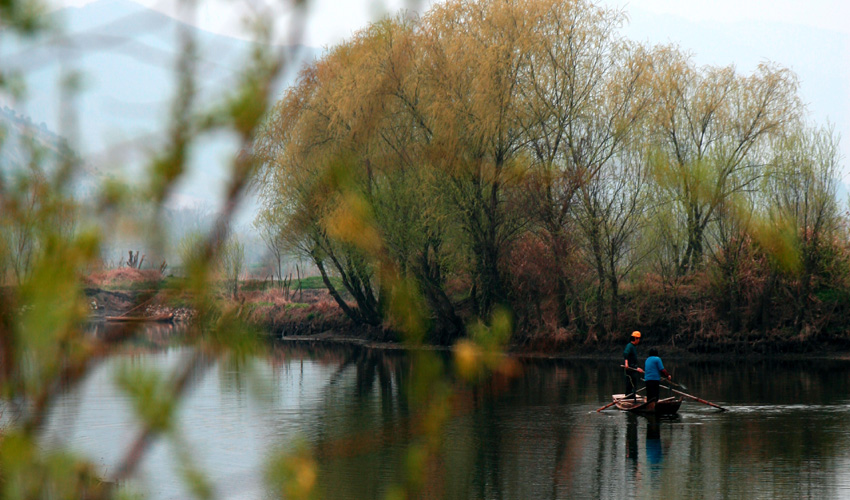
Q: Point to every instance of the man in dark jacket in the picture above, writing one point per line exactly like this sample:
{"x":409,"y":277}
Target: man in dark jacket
{"x":630,"y":359}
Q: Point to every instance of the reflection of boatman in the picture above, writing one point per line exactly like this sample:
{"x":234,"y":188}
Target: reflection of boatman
{"x":654,"y":455}
{"x":631,"y":436}
{"x":631,"y":361}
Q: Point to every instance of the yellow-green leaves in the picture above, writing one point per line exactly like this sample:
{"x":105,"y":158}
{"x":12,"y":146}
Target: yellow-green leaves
{"x":778,"y":238}
{"x":26,"y":17}
{"x":52,"y":308}
{"x":293,"y":474}
{"x":350,"y":220}
{"x":193,"y":476}
{"x":484,"y":351}
{"x":712,"y":126}
{"x":232,"y":337}
{"x":28,"y":471}
{"x":152,"y":395}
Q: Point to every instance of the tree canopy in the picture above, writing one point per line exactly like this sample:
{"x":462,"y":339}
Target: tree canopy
{"x":432,"y":150}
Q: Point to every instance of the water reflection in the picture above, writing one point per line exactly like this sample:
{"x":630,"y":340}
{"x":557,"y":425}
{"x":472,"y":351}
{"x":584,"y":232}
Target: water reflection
{"x":153,"y":334}
{"x":654,"y":455}
{"x":535,"y":435}
{"x":632,"y":437}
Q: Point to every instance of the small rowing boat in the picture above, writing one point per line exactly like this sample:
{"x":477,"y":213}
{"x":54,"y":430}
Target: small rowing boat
{"x":160,"y":318}
{"x":668,"y":406}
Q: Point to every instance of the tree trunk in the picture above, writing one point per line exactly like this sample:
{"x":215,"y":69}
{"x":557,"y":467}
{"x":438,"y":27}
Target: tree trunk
{"x":600,"y":307}
{"x":447,"y":325}
{"x":600,"y":276}
{"x":353,"y":283}
{"x":615,"y":302}
{"x":561,"y":296}
{"x":491,"y":291}
{"x":805,"y":289}
{"x":561,"y":284}
{"x":764,"y":303}
{"x":353,"y":314}
{"x":694,"y":250}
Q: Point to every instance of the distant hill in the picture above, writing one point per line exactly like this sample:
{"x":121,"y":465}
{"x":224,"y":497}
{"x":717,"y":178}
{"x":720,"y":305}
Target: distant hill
{"x":21,"y":140}
{"x":125,"y":55}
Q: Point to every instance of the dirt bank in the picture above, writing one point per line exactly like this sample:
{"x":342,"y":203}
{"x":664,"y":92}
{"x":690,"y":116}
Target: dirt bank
{"x":104,"y":303}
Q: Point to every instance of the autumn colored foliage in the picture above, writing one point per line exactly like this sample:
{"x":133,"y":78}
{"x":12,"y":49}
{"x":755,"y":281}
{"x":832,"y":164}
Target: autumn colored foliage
{"x":586,"y":183}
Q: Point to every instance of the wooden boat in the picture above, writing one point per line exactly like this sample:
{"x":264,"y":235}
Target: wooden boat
{"x":668,"y":406}
{"x":159,"y":318}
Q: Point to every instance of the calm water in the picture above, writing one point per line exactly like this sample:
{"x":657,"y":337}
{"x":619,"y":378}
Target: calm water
{"x":536,"y":435}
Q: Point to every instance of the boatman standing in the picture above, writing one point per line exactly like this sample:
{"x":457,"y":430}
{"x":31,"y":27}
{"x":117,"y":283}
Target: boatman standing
{"x":631,"y":361}
{"x":652,"y":375}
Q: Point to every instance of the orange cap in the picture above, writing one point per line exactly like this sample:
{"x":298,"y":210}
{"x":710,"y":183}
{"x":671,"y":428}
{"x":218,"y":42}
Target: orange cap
{"x":636,"y":334}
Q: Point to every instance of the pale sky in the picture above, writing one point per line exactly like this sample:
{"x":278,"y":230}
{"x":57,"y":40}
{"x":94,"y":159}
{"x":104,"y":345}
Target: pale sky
{"x":333,"y":20}
{"x":812,"y":37}
{"x":329,"y":21}
{"x":820,"y":14}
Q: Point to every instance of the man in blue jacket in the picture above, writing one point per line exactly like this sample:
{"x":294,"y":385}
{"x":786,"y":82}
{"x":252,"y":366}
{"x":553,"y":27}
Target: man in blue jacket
{"x":652,"y":373}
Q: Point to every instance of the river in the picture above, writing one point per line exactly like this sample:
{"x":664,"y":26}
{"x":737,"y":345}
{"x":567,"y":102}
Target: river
{"x":531,"y":435}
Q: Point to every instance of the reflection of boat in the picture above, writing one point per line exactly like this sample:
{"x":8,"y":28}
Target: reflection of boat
{"x":668,"y":406}
{"x":159,"y":318}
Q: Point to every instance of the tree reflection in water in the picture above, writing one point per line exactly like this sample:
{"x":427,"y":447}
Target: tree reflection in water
{"x":535,"y":433}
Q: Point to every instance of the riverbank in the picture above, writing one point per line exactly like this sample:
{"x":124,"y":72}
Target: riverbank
{"x":600,"y":353}
{"x":312,"y":314}
{"x":313,"y":317}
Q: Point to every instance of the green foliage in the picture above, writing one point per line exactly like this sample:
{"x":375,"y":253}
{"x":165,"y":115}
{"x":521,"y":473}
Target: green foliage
{"x":51,"y":240}
{"x":152,"y":395}
{"x":293,"y":473}
{"x":30,"y":473}
{"x":233,"y":264}
{"x":195,"y":478}
{"x":24,"y":17}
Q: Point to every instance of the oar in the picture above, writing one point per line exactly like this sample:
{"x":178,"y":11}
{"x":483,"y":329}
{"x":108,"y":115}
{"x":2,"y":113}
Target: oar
{"x":709,"y":403}
{"x":635,"y":370}
{"x":612,"y":402}
{"x":679,"y":385}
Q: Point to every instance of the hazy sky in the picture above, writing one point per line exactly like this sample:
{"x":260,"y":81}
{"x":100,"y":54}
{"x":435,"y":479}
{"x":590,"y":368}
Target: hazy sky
{"x":332,"y":20}
{"x":820,"y":14}
{"x":812,"y":37}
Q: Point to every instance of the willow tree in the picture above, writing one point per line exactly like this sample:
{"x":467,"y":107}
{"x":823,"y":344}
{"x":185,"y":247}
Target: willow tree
{"x":586,"y":90}
{"x":612,"y":215}
{"x":729,"y":241}
{"x":405,"y":194}
{"x":306,"y":148}
{"x":345,"y":167}
{"x":474,"y":53}
{"x":800,"y":189}
{"x":711,"y":129}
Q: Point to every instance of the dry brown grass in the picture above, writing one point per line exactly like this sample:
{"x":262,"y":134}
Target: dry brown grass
{"x":122,"y":276}
{"x":316,"y":314}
